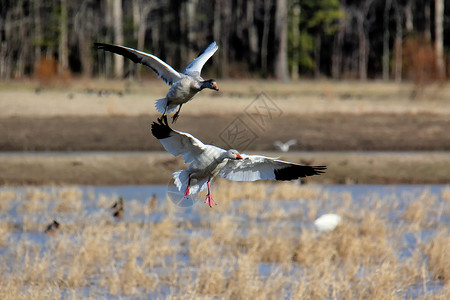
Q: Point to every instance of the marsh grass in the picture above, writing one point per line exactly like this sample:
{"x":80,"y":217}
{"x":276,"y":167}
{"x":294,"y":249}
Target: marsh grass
{"x":261,"y":247}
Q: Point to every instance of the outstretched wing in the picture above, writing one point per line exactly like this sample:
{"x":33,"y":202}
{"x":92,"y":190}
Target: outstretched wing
{"x":162,"y":69}
{"x":177,"y":142}
{"x":195,"y":67}
{"x":291,"y":142}
{"x":255,"y":167}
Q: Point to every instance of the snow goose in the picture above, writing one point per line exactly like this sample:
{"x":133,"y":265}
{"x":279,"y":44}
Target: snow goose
{"x":284,"y":147}
{"x":327,"y":222}
{"x":184,"y":85}
{"x":208,"y":161}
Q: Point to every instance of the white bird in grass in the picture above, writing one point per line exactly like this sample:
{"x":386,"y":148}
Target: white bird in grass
{"x":207,"y":161}
{"x":284,"y":147}
{"x":327,"y":222}
{"x":184,"y":85}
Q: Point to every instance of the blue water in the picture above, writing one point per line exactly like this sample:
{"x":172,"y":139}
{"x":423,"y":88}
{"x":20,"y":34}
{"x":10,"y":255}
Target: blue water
{"x":362,"y":196}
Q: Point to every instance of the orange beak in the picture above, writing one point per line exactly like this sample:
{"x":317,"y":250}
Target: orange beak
{"x":238,"y":156}
{"x":214,"y":85}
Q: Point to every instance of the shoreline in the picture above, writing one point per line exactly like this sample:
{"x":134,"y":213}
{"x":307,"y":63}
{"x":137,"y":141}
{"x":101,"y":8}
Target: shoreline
{"x":156,"y":167}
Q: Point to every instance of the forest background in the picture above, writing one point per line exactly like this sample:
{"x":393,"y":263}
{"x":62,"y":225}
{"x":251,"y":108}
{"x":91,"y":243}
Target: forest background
{"x":282,"y":39}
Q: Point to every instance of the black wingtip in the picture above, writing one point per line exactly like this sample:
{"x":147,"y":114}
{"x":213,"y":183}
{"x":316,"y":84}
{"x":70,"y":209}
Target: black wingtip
{"x":161,"y":130}
{"x":121,"y":50}
{"x":100,"y":45}
{"x":297,"y":171}
{"x":318,"y":169}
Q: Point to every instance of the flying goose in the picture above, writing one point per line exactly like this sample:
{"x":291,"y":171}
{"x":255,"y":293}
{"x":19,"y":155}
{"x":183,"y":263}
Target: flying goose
{"x":184,"y":85}
{"x":284,"y":147}
{"x":208,"y":161}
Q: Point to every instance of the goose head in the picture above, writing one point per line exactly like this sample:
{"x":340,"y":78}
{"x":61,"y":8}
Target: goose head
{"x":210,"y":84}
{"x":233,"y":154}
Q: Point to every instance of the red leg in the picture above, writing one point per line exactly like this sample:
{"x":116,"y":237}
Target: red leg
{"x":186,"y":193}
{"x":209,"y":200}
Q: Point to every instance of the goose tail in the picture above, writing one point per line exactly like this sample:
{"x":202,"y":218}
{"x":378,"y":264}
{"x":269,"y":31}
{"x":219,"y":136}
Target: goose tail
{"x":161,"y":105}
{"x":181,"y":179}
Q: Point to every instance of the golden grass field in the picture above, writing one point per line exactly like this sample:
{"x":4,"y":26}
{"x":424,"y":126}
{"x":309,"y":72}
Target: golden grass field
{"x":258,"y":242}
{"x":80,"y":97}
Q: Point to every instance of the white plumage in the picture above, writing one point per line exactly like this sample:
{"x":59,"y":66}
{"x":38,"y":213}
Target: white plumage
{"x":284,"y":147}
{"x":184,"y":85}
{"x":208,"y":161}
{"x":327,"y":222}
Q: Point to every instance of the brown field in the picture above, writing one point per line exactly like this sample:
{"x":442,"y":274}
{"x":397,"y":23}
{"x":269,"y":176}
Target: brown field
{"x":253,"y":248}
{"x":323,"y":116}
{"x":143,"y":168}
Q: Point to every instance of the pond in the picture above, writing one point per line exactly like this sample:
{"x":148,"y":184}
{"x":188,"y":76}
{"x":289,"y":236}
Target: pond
{"x":259,"y":240}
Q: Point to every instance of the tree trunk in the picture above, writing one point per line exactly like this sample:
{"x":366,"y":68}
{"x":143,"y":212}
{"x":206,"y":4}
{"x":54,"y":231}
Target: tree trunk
{"x":63,"y":51}
{"x":386,"y":36}
{"x":409,"y":25}
{"x":188,"y":19}
{"x":336,"y":67}
{"x":37,"y":31}
{"x":136,"y":8}
{"x":144,"y":10}
{"x":221,"y":32}
{"x":252,"y":33}
{"x":317,"y":50}
{"x":281,"y":64}
{"x":226,"y":31}
{"x":295,"y":40}
{"x":362,"y":49}
{"x":265,"y":35}
{"x":84,"y":28}
{"x":427,"y":21}
{"x":398,"y":47}
{"x":439,"y":38}
{"x":361,"y":16}
{"x":217,"y":25}
{"x":118,"y":36}
{"x":22,"y":41}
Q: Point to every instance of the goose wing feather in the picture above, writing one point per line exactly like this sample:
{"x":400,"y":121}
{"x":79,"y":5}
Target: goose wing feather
{"x":256,"y":167}
{"x":195,"y":67}
{"x":177,"y":142}
{"x":161,"y":68}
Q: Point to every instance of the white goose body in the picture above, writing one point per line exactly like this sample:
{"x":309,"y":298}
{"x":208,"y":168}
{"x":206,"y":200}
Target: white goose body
{"x":179,"y":94}
{"x":208,"y":161}
{"x":184,"y":85}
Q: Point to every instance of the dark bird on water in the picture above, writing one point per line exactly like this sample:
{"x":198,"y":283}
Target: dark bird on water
{"x":52,"y":227}
{"x":118,"y":209}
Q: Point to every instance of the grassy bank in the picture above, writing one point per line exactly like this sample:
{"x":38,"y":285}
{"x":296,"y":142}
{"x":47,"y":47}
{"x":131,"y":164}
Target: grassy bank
{"x":141,"y":168}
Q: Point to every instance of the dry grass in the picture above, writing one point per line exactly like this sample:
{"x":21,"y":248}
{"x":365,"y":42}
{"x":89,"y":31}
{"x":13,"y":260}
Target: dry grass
{"x":125,"y":168}
{"x":18,"y":98}
{"x":264,"y":247}
{"x":438,"y":252}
